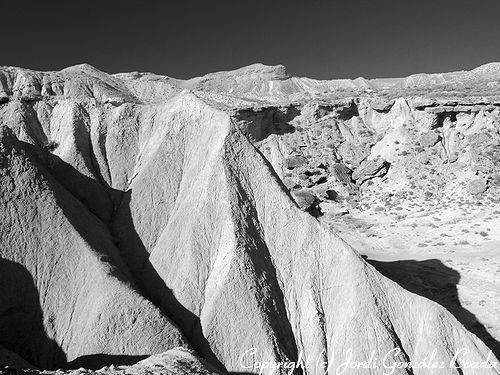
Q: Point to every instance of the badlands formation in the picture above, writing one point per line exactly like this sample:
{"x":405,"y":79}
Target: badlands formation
{"x":217,"y":224}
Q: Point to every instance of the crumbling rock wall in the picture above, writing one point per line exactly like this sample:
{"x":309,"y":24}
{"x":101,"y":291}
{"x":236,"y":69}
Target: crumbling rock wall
{"x":454,"y":143}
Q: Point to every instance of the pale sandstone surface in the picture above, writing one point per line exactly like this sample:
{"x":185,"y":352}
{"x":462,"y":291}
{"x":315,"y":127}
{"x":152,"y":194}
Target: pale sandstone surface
{"x":142,"y":213}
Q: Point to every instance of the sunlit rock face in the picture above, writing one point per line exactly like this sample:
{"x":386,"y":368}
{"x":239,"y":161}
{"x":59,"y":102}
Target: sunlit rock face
{"x":145,"y":216}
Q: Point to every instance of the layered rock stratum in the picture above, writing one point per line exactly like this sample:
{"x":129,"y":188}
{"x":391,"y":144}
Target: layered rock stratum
{"x":203,"y":223}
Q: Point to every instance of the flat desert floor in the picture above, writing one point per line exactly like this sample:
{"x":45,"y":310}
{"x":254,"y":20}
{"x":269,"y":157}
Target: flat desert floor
{"x":450,"y":256}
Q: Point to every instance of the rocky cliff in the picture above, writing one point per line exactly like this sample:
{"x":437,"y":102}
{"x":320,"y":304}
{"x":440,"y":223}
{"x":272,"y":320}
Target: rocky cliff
{"x":142,"y":213}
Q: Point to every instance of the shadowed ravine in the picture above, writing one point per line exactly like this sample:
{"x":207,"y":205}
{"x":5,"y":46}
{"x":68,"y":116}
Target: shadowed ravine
{"x":138,"y":267}
{"x":154,"y":288}
{"x":21,"y":320}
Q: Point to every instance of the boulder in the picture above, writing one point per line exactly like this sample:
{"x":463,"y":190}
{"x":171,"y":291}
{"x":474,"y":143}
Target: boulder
{"x":477,"y":186}
{"x":429,"y":139}
{"x":369,"y":169}
{"x":382,"y":104}
{"x":293,"y":162}
{"x":304,"y":198}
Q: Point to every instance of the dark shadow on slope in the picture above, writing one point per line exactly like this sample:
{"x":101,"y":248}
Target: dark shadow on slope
{"x":98,"y":361}
{"x":130,"y":261}
{"x":123,"y":250}
{"x":347,"y":111}
{"x":97,"y":196}
{"x":433,"y":280}
{"x":258,"y":124}
{"x":21,"y":319}
{"x":152,"y":285}
{"x":272,"y":304}
{"x":90,"y":224}
{"x":271,"y":170}
{"x":277,"y":178}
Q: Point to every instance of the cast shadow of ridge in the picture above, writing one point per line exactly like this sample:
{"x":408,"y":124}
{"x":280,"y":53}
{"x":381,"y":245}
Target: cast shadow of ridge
{"x":433,"y":280}
{"x":153,"y":287}
{"x":131,"y":259}
{"x":21,"y":318}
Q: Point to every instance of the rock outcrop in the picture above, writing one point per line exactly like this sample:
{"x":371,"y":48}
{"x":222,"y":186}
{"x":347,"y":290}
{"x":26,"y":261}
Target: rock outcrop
{"x":369,"y":169}
{"x":64,"y":289}
{"x":136,"y":225}
{"x":174,"y":361}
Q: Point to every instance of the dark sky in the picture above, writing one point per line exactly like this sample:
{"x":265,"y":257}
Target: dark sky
{"x":315,"y":38}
